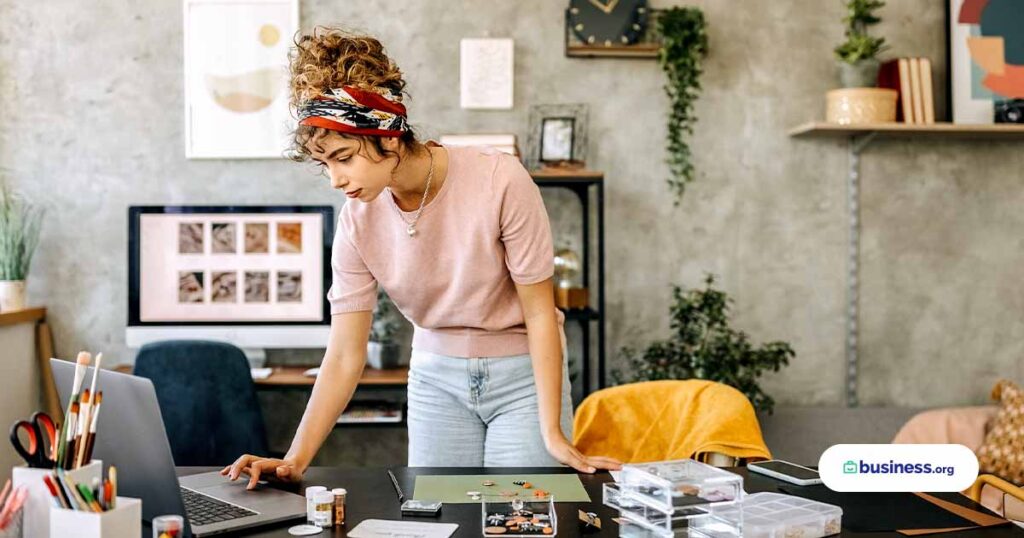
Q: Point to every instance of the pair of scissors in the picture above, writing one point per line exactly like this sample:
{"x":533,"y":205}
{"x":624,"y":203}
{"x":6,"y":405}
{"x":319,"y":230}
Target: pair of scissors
{"x":40,"y":428}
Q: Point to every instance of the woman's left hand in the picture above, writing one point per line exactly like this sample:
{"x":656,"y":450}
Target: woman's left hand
{"x":562,"y":450}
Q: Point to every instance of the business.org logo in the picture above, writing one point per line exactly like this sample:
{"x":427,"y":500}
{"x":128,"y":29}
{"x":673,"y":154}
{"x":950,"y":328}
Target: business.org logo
{"x":898,"y":467}
{"x":892,"y":467}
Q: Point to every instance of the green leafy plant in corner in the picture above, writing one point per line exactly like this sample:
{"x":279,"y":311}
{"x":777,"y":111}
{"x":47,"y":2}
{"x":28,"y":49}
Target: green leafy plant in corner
{"x":704,"y":346}
{"x":384,"y":325}
{"x":683,"y":34}
{"x":19,"y":233}
{"x":859,"y":46}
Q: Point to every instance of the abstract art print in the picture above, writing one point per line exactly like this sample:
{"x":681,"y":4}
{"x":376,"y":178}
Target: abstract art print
{"x":986,"y":48}
{"x":236,"y":67}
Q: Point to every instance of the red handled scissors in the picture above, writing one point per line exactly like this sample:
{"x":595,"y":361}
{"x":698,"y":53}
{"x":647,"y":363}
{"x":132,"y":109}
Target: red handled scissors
{"x":39,"y":428}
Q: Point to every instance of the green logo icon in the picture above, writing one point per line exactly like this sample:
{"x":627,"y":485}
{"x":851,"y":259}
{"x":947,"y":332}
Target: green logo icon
{"x":850,"y":467}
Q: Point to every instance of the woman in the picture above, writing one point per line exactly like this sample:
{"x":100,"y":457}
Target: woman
{"x":460,"y":240}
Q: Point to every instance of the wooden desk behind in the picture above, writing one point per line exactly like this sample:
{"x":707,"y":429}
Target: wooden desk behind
{"x":291,"y":376}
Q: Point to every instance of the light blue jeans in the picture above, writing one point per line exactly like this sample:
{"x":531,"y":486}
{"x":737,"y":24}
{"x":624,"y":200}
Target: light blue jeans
{"x":478,"y":412}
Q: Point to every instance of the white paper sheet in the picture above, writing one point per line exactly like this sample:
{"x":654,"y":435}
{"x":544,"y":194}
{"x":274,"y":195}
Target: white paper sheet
{"x":381,"y":528}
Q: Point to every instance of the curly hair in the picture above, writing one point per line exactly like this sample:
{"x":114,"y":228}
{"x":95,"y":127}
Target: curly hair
{"x":331,"y":58}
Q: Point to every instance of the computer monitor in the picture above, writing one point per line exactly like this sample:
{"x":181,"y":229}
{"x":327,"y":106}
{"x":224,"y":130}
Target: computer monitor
{"x":254,"y":276}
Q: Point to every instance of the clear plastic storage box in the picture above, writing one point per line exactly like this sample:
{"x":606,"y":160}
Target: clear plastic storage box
{"x":518,"y":517}
{"x":676,"y":498}
{"x":774,"y":515}
{"x":680,"y":484}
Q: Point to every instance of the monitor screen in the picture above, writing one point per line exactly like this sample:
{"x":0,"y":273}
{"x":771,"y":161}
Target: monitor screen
{"x":229,"y":265}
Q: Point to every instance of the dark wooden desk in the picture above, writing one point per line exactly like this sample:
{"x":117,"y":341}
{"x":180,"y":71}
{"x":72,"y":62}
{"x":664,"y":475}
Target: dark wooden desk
{"x":371,"y":496}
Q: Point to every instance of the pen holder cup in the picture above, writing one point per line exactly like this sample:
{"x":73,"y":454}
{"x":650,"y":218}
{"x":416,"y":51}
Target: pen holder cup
{"x":125,"y":520}
{"x":37,"y":505}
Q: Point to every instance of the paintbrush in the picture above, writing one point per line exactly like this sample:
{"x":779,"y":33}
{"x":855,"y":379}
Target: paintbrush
{"x":81,"y":429}
{"x":90,"y":439}
{"x":69,"y":440}
{"x":81,"y":363}
{"x":88,"y":413}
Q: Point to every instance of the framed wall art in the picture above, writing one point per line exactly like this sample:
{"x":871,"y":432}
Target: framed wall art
{"x":236,"y":77}
{"x":986,"y":59}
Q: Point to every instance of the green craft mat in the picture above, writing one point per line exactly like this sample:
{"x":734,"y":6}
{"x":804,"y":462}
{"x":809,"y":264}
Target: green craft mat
{"x":453,"y":488}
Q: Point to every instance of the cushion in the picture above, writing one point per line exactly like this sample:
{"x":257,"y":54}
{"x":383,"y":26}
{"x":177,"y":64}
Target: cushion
{"x":1002,"y":452}
{"x":960,"y":425}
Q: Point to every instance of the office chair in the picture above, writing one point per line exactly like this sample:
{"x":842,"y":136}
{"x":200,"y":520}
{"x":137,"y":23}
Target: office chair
{"x":207,"y":400}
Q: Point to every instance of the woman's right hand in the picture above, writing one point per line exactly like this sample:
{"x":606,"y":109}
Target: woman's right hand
{"x":286,"y":470}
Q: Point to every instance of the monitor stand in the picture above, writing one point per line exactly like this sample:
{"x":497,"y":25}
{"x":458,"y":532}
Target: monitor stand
{"x":257,"y":356}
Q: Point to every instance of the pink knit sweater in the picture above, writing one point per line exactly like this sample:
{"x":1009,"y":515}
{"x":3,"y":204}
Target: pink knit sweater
{"x":485,"y":231}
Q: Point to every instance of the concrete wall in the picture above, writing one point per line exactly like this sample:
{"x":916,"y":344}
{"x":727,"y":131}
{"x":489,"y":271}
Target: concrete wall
{"x":91,"y":121}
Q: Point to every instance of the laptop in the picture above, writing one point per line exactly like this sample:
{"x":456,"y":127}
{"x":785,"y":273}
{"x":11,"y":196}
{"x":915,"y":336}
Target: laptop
{"x":131,"y":436}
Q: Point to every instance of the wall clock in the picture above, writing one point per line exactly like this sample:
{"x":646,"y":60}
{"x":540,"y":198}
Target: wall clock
{"x":607,"y":22}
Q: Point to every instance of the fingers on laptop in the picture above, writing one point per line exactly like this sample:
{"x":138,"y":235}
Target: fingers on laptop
{"x":241,"y":465}
{"x":254,"y":472}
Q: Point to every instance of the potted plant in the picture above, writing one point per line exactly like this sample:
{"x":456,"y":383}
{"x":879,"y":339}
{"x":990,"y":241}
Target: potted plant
{"x":704,"y":346}
{"x":382,"y":350}
{"x":683,"y":34}
{"x":858,"y":54}
{"x":19,"y":235}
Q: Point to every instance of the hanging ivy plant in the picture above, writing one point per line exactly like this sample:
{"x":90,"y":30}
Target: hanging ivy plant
{"x":684,"y":47}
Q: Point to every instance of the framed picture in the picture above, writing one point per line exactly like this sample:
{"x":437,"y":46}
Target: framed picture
{"x":986,"y":60}
{"x":486,"y":68}
{"x":236,"y":77}
{"x":558,"y":135}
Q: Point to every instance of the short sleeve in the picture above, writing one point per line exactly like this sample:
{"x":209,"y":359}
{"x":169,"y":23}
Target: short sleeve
{"x":353,"y":288}
{"x":525,"y":229}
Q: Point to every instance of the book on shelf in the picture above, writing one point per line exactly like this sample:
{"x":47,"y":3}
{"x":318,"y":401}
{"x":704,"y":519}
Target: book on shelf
{"x":372,"y":412}
{"x":915,"y":90}
{"x":911,"y":78}
{"x":927,"y":94}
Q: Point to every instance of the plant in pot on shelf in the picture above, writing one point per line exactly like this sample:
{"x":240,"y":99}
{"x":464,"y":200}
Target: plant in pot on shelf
{"x":382,"y":350}
{"x":683,"y":34}
{"x":19,"y":235}
{"x":858,"y":54}
{"x":704,"y":346}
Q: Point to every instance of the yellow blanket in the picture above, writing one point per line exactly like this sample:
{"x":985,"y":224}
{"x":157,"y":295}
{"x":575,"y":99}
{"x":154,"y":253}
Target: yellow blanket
{"x":667,"y":420}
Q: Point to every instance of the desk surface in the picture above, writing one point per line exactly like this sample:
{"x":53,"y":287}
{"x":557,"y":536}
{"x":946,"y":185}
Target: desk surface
{"x":372,"y":496}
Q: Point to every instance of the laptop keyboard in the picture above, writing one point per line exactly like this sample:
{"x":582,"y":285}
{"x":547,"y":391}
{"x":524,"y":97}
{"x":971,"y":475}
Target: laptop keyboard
{"x":205,"y":510}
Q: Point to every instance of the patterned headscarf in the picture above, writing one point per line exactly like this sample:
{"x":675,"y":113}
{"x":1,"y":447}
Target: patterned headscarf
{"x":351,"y":110}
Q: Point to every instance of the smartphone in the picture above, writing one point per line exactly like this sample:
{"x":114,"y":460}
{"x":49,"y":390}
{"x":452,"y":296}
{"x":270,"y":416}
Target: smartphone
{"x":786,"y":471}
{"x":421,"y":508}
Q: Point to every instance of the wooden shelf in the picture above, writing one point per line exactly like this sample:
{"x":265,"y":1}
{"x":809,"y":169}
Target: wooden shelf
{"x":22,"y":316}
{"x":564,"y":174}
{"x":938,"y":130}
{"x":292,"y":376}
{"x":645,"y":50}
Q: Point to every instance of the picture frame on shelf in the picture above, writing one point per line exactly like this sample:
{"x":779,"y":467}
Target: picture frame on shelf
{"x":236,"y":78}
{"x":980,"y":85}
{"x":557,"y":136}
